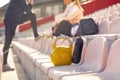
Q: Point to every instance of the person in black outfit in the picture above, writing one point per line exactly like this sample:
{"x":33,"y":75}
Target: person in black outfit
{"x":17,"y":12}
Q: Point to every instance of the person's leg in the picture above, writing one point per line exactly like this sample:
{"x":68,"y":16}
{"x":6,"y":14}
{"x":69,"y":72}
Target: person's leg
{"x":10,"y":27}
{"x":63,"y":28}
{"x":31,"y":16}
{"x":34,"y":24}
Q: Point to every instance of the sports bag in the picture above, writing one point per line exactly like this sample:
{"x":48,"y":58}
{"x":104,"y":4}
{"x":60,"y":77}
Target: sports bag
{"x":77,"y":50}
{"x":87,"y":27}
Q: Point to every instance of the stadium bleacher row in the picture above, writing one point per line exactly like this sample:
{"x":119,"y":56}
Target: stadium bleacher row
{"x":99,"y":62}
{"x":38,"y":65}
{"x":107,"y":19}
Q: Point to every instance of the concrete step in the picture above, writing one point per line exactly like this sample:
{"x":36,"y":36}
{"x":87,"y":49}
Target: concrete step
{"x":18,"y":73}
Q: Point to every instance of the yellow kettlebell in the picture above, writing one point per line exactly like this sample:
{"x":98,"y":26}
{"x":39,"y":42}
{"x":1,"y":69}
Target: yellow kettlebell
{"x":61,"y":55}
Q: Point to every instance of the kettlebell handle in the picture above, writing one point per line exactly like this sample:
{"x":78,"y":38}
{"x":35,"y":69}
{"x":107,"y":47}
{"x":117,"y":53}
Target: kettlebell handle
{"x":64,"y":38}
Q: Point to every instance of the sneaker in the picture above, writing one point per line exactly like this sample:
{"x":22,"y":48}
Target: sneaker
{"x":37,"y":38}
{"x":7,"y":68}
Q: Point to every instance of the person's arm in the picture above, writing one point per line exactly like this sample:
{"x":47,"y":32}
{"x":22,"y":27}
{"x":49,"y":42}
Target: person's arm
{"x":31,"y":2}
{"x":58,"y":18}
{"x":75,"y":15}
{"x":24,"y":6}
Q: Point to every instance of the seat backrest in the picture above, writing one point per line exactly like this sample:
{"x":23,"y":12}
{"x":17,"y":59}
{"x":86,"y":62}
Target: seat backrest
{"x":113,"y":9}
{"x":113,"y":64}
{"x":114,"y":15}
{"x":107,"y":16}
{"x":50,"y":45}
{"x":118,"y":6}
{"x":104,"y":27}
{"x":96,"y":55}
{"x":115,"y":26}
{"x":83,"y":50}
{"x":48,"y":41}
{"x":29,"y":41}
{"x":41,"y":43}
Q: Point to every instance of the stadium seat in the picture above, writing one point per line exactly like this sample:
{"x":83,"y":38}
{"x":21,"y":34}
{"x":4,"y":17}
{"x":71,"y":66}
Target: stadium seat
{"x":104,"y":27}
{"x":118,"y":6}
{"x":115,"y":26}
{"x":111,"y":71}
{"x":107,"y":16}
{"x":114,"y":15}
{"x":48,"y":48}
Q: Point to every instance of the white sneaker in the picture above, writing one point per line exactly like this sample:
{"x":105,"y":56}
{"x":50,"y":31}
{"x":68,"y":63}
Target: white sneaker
{"x":37,"y":38}
{"x":7,"y":68}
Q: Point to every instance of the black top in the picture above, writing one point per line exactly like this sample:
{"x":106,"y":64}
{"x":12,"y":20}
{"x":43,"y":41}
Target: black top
{"x":16,"y":9}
